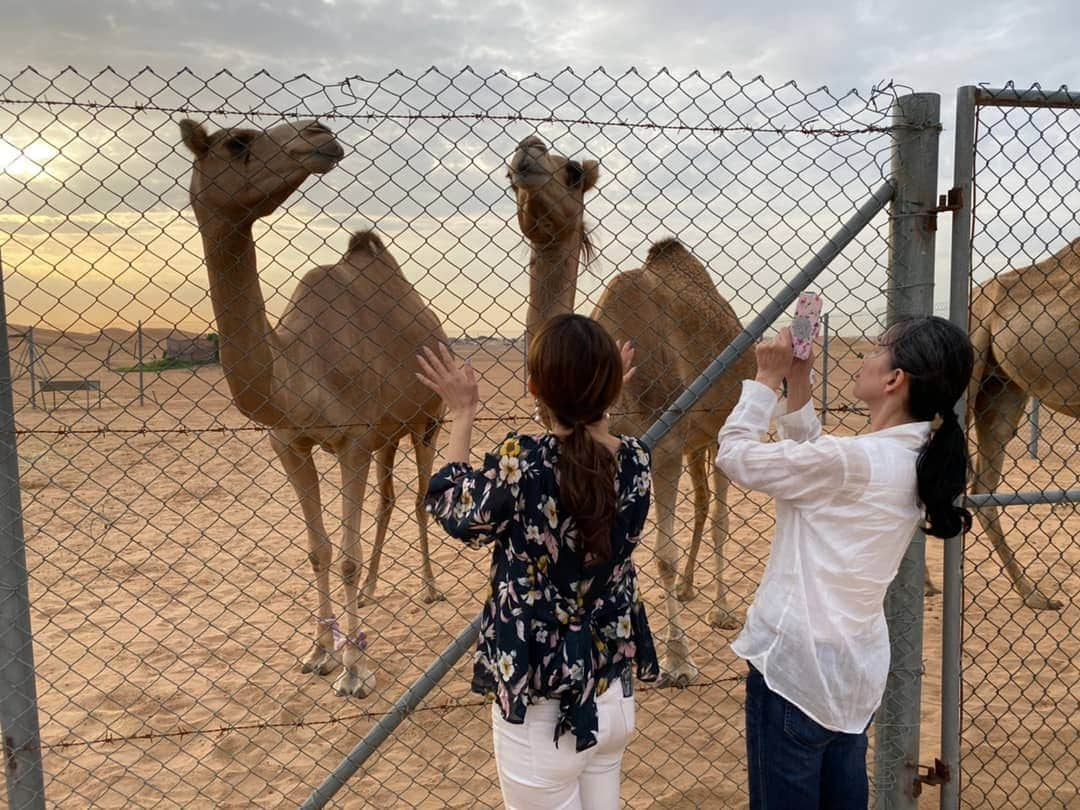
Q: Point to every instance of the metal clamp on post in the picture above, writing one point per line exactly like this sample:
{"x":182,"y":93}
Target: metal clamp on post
{"x":939,"y":774}
{"x":953,"y":200}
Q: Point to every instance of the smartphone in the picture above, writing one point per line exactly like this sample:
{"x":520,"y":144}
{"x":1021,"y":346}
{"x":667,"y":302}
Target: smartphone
{"x":806,"y":325}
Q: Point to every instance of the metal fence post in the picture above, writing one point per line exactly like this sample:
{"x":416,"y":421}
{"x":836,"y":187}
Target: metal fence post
{"x":952,"y":586}
{"x":824,"y":366}
{"x":1033,"y":423}
{"x":910,"y":292}
{"x":18,"y":699}
{"x":31,"y":354}
{"x":139,"y":351}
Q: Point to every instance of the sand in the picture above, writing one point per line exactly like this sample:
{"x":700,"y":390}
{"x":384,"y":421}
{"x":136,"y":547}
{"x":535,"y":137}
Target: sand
{"x":172,"y":599}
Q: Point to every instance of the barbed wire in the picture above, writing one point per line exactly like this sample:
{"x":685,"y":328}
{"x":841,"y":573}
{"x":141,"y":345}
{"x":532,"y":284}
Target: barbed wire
{"x":507,"y":417}
{"x":473,"y":703}
{"x":836,"y":132}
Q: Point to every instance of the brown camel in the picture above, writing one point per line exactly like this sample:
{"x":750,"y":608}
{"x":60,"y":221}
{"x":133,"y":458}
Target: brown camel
{"x":1024,"y":327}
{"x":333,"y":373}
{"x":678,"y":323}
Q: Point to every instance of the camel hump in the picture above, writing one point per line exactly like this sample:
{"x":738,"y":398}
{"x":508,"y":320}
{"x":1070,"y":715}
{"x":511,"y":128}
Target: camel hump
{"x":666,"y":248}
{"x":365,"y":240}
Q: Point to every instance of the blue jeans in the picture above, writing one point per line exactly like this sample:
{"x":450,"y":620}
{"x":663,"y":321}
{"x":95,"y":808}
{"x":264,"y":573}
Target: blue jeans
{"x":796,"y":764}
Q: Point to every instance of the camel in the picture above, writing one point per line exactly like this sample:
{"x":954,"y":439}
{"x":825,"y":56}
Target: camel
{"x":679,"y":323}
{"x":334,"y":371}
{"x":1024,"y":326}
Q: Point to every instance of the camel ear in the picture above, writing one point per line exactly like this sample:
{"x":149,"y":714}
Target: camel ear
{"x":195,"y":137}
{"x":590,"y":173}
{"x":367,"y":241}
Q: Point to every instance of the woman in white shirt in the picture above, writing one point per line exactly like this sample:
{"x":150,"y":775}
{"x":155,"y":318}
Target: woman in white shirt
{"x":846,"y":508}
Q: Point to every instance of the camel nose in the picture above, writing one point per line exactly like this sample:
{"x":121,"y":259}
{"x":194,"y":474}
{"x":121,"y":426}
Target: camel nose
{"x":329,"y":146}
{"x":525,"y":158}
{"x":317,"y":128}
{"x":532,"y":142}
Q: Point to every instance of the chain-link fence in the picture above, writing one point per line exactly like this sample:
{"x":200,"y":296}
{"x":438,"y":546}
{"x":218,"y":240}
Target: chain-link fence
{"x":171,"y":580}
{"x":1020,"y":726}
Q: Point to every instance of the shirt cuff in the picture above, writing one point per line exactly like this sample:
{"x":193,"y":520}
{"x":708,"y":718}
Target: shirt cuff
{"x":759,"y":396}
{"x":800,"y":424}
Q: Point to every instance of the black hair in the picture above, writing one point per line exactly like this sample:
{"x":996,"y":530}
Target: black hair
{"x":938,"y":359}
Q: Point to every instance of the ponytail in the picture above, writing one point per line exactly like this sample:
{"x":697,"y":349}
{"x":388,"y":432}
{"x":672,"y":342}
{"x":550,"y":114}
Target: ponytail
{"x":938,"y":359}
{"x":941,"y":471}
{"x":576,"y":369}
{"x":587,"y":472}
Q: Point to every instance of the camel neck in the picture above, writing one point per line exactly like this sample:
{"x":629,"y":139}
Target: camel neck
{"x":553,"y":274}
{"x":245,"y":339}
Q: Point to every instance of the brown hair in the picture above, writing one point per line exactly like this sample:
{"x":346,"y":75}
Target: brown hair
{"x":576,"y":371}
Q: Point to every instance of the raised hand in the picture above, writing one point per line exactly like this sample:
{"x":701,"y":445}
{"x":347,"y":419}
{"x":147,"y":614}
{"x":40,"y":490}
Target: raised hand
{"x":455,"y":383}
{"x":626,"y":354}
{"x":774,"y":359}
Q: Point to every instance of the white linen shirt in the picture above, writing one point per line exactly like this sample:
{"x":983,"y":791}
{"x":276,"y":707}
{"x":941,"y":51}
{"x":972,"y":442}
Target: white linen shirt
{"x":846,"y":510}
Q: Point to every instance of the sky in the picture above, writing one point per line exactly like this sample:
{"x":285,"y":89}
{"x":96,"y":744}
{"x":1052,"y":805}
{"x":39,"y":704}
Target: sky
{"x":95,"y":230}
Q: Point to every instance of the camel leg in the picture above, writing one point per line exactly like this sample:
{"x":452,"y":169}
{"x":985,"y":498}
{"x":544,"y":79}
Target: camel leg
{"x":698,"y":463}
{"x":384,"y":482}
{"x":300,"y":470}
{"x":678,"y":667}
{"x":425,"y":459}
{"x":929,"y":588}
{"x":998,"y":408}
{"x":721,"y":615}
{"x":356,"y":679}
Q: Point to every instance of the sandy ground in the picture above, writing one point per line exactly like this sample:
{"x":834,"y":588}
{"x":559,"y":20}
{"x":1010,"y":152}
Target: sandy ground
{"x":172,"y":598}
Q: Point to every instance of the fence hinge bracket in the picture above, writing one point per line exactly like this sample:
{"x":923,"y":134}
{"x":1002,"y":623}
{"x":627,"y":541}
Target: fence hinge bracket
{"x":951,"y":201}
{"x":939,"y":774}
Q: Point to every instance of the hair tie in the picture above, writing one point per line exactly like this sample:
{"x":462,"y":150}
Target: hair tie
{"x":948,"y":417}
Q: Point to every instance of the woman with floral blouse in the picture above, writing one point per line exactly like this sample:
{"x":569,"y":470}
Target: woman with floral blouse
{"x":563,"y":619}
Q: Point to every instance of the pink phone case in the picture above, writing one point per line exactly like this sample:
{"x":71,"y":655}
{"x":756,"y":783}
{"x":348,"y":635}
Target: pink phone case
{"x":807,"y":323}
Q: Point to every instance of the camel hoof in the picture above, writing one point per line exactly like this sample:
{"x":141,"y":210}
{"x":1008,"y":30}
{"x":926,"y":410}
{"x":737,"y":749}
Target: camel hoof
{"x":354,"y":682}
{"x":1036,"y":600}
{"x":724,"y":619}
{"x":930,"y":589}
{"x":686,"y":591}
{"x":434,"y":595}
{"x":319,"y":661}
{"x":678,"y":677}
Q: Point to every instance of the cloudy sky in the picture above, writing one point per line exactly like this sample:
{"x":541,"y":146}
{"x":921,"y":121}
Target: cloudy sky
{"x":926,"y":45}
{"x":127,"y":243}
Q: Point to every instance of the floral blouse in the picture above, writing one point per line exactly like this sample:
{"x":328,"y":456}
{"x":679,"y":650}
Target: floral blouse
{"x":554,"y":624}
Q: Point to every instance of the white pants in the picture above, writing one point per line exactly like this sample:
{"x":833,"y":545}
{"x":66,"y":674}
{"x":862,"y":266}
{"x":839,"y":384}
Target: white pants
{"x":535,"y":775}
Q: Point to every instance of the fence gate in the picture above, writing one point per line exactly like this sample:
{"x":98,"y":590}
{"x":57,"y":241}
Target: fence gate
{"x":1016,"y":259}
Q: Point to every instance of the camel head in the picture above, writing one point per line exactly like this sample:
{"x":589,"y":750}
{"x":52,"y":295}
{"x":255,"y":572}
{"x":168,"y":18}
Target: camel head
{"x":243,"y":174}
{"x":550,"y":192}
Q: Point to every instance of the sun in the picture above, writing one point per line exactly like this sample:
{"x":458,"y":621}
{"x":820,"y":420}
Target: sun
{"x":26,"y":162}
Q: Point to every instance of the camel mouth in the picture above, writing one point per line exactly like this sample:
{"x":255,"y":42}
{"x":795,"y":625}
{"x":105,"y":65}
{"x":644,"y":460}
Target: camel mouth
{"x":527,"y":175}
{"x":526,"y":167}
{"x":322,"y":159}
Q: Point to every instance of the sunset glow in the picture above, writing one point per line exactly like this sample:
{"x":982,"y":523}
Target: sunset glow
{"x":27,"y":162}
